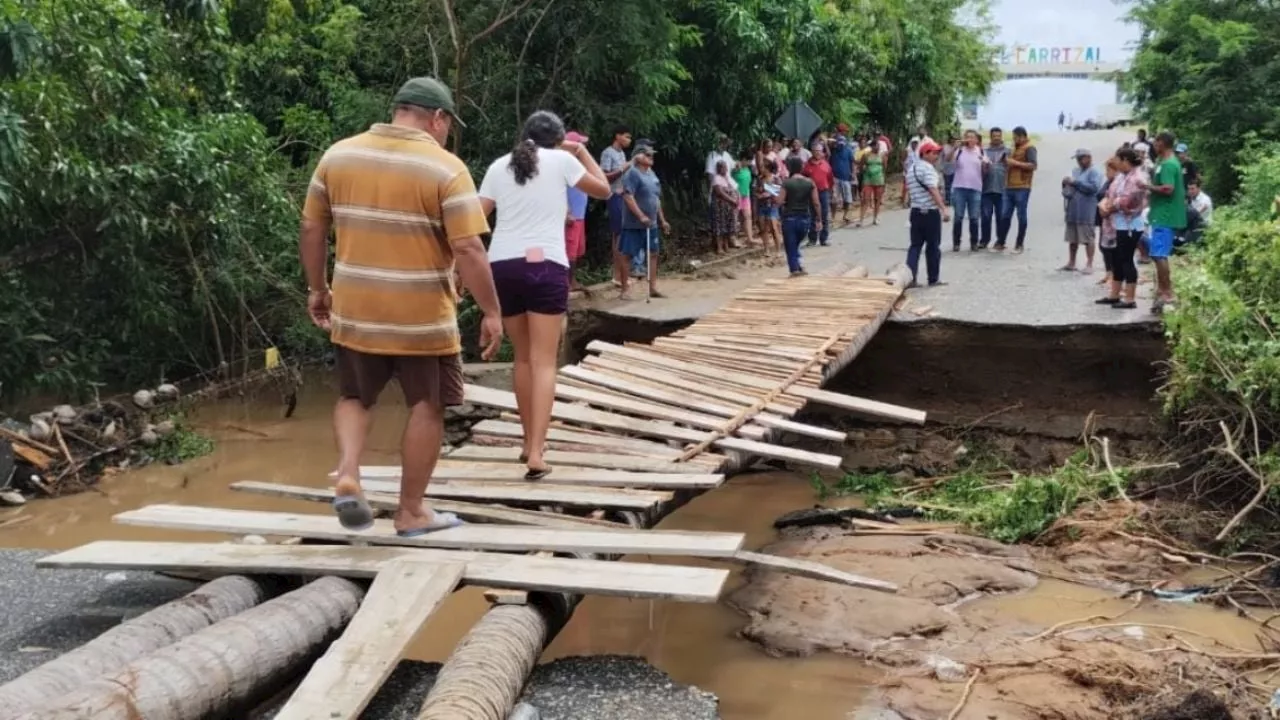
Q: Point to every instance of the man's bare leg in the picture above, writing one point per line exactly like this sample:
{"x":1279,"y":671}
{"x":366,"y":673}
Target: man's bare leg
{"x":419,"y":451}
{"x":1164,"y":280}
{"x":351,"y":423}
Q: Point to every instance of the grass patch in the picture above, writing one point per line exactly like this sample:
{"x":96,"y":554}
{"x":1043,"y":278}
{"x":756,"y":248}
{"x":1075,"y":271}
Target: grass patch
{"x":181,"y":445}
{"x":989,"y":501}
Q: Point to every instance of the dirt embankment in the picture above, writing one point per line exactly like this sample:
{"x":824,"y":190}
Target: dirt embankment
{"x":1063,"y":631}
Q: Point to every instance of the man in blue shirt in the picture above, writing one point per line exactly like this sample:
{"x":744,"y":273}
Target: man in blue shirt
{"x":642,"y":193}
{"x":842,"y":169}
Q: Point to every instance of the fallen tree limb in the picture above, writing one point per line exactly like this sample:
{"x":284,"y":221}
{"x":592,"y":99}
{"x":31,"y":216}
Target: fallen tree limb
{"x":221,"y":670}
{"x":131,"y":640}
{"x":1264,"y":485}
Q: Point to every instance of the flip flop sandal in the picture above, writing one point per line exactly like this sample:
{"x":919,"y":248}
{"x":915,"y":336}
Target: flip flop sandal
{"x":440,"y":521}
{"x":535,"y":475}
{"x":353,"y":512}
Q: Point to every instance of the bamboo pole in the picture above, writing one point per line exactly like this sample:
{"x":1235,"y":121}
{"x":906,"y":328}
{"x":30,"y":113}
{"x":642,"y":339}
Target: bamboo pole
{"x":220,"y":670}
{"x":131,"y":640}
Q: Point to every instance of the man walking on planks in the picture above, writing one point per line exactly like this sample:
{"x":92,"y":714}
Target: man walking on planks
{"x":404,"y":211}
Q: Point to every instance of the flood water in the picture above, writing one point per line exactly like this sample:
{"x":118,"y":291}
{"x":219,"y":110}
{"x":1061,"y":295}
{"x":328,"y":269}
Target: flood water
{"x":695,"y":644}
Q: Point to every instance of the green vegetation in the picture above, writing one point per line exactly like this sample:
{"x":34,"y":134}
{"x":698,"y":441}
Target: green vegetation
{"x":998,"y":504}
{"x":152,"y":152}
{"x":1206,"y":69}
{"x":181,"y":445}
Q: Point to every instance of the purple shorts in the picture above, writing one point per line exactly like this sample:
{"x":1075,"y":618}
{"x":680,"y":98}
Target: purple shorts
{"x":531,"y":287}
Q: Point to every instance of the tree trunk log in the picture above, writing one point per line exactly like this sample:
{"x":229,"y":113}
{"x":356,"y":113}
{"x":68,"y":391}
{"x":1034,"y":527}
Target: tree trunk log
{"x":123,"y":644}
{"x":484,"y":677}
{"x":222,"y":669}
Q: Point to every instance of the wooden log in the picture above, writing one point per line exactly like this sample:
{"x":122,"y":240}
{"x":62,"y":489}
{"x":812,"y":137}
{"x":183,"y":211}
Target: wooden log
{"x":342,"y":682}
{"x":483,"y":678}
{"x":131,"y":640}
{"x":696,"y":387}
{"x":221,"y":670}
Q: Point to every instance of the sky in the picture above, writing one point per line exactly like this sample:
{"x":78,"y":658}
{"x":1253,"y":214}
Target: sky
{"x":1036,"y":103}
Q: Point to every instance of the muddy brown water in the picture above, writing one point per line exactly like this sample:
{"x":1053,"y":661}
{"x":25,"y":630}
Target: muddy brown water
{"x":695,"y":644}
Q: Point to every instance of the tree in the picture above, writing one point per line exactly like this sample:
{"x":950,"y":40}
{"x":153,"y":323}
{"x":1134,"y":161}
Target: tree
{"x":1206,"y":70}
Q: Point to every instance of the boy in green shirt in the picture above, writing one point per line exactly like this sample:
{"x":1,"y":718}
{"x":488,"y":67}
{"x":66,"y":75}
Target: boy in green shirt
{"x":742,"y":178}
{"x":1168,"y":214}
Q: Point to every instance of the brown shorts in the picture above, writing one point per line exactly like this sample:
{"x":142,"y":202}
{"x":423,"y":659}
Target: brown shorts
{"x":434,"y":380}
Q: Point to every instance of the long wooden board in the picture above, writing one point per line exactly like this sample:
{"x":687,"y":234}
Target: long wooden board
{"x":504,"y":538}
{"x":634,"y":446}
{"x":342,"y":682}
{"x":655,"y":376}
{"x":539,"y":493}
{"x":862,"y":406}
{"x":499,"y":464}
{"x":498,"y":570}
{"x":470,"y":512}
{"x":780,"y":452}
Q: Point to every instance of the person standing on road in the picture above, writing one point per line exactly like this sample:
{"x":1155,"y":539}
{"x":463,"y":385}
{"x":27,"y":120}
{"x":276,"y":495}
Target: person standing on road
{"x":993,"y":181}
{"x":949,"y":167}
{"x":819,"y":171}
{"x":724,"y":208}
{"x":871,"y":162}
{"x":742,"y":180}
{"x":613,"y":161}
{"x":575,"y":223}
{"x":642,"y":193}
{"x":842,"y":163}
{"x":800,"y":204}
{"x":768,"y":188}
{"x":714,"y":158}
{"x":966,"y":189}
{"x":392,"y":309}
{"x":1142,"y":145}
{"x":1022,"y":164}
{"x":1062,"y":120}
{"x":1168,"y":215}
{"x":1080,"y":189}
{"x":530,"y":269}
{"x":928,"y":212}
{"x":1122,"y":211}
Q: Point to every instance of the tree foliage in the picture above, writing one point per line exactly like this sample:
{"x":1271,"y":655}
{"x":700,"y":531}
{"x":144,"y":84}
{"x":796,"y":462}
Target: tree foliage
{"x":153,"y":152}
{"x":1207,"y":69}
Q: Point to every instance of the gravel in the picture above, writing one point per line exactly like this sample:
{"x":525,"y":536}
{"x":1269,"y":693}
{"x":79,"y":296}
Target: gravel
{"x":48,"y":612}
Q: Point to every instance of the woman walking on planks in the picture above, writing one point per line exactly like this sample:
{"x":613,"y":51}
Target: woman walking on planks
{"x":800,"y":204}
{"x":530,"y":267}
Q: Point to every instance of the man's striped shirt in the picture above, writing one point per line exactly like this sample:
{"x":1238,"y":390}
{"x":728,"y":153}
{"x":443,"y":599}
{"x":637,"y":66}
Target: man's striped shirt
{"x":397,"y":201}
{"x":920,"y":177}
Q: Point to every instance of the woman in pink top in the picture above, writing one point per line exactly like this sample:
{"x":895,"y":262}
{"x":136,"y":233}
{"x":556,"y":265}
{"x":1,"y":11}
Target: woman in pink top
{"x":1121,"y":212}
{"x":966,"y":189}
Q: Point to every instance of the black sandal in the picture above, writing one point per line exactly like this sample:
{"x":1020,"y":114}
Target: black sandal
{"x":1125,"y":305}
{"x":534,"y":475}
{"x":1107,"y":301}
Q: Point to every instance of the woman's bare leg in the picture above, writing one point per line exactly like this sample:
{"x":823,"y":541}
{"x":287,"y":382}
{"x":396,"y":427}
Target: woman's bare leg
{"x":517,"y":328}
{"x":543,"y":341}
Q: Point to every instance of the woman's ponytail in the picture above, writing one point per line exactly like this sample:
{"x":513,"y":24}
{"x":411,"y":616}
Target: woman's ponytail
{"x":524,"y":161}
{"x":543,"y":129}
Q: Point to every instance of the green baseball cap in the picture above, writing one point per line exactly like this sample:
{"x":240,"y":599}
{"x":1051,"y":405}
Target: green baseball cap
{"x":429,"y":93}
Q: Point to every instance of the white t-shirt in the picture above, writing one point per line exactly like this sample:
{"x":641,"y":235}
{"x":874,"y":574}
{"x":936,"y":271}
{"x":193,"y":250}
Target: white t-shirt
{"x":531,"y":215}
{"x":1203,"y":205}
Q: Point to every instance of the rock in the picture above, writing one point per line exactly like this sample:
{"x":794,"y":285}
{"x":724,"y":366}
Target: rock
{"x":64,"y":414}
{"x":109,"y":431}
{"x":144,"y":399}
{"x":524,"y":711}
{"x":12,"y":497}
{"x":45,"y":416}
{"x":149,"y":437}
{"x":168,"y":392}
{"x":961,"y":451}
{"x":165,"y":428}
{"x":253,"y":540}
{"x":40,"y":430}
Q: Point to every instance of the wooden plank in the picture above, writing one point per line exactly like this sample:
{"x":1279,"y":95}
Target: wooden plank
{"x":635,"y":446}
{"x":814,"y":571}
{"x":656,"y":411}
{"x":342,"y":682}
{"x":471,"y":512}
{"x":848,"y":402}
{"x":541,"y":493}
{"x":503,"y":538}
{"x":575,"y":413}
{"x":498,"y":570}
{"x":654,"y":376}
{"x":862,"y":406}
{"x":813,"y":431}
{"x":502,"y":464}
{"x":635,"y":464}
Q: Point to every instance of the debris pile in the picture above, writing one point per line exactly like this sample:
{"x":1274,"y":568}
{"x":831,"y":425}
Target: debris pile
{"x":64,"y":449}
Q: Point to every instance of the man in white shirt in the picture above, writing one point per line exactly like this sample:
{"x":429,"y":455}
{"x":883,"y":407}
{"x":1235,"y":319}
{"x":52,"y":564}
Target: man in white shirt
{"x":1200,"y":201}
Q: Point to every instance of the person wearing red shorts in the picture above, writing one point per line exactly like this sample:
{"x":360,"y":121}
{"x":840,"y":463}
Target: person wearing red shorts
{"x":575,"y":221}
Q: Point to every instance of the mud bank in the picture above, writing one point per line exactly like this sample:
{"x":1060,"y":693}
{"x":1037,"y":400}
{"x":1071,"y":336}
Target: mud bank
{"x":995,"y":631}
{"x":1018,"y":379}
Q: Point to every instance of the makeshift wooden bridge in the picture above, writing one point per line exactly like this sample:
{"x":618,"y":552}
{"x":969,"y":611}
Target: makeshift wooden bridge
{"x":638,"y":430}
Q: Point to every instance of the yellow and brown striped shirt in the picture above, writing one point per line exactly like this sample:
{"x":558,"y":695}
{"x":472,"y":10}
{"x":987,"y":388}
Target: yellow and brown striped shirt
{"x":397,"y":201}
